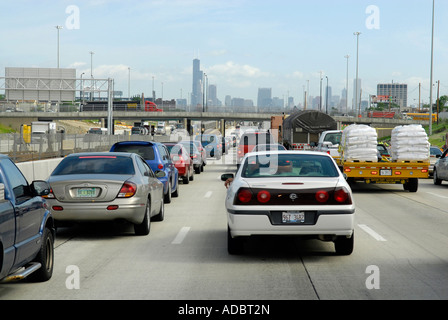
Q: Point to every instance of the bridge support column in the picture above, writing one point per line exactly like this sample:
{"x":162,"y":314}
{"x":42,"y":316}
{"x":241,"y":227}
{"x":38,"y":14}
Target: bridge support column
{"x":223,"y":127}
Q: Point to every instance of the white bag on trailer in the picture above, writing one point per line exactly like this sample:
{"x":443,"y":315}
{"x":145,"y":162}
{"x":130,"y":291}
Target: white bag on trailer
{"x":359,"y":143}
{"x":409,"y":143}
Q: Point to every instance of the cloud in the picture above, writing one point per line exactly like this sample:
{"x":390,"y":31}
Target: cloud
{"x":231,"y":69}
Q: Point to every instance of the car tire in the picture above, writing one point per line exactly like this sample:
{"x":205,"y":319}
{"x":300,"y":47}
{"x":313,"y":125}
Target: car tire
{"x":175,"y":194}
{"x":186,"y":180}
{"x":167,"y":197}
{"x":192,"y":175}
{"x":197,"y":170}
{"x":437,"y":181}
{"x":45,"y":257}
{"x":344,"y":246}
{"x":202,"y":167}
{"x":144,"y":228}
{"x":161,"y":215}
{"x":234,"y":245}
{"x":412,"y":185}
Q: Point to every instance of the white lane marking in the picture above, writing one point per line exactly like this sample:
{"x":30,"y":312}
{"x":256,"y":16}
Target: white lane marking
{"x":375,"y":235}
{"x":437,"y":195}
{"x":208,"y":194}
{"x":181,"y":235}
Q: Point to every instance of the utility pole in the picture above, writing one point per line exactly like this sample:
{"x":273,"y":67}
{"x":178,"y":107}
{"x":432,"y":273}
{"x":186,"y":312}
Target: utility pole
{"x":438,"y":91}
{"x":419,"y":96}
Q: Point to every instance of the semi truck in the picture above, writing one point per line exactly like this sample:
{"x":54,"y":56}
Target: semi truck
{"x":364,"y":165}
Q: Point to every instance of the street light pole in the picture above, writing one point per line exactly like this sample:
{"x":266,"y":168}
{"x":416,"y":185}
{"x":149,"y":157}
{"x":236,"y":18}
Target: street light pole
{"x":432,"y":68}
{"x":326,"y":97}
{"x":320,"y":97}
{"x":346,"y":88}
{"x":59,"y":29}
{"x":357,"y":64}
{"x":129,"y":83}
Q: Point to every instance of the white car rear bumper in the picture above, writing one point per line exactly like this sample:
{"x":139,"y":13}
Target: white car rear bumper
{"x":260,"y":224}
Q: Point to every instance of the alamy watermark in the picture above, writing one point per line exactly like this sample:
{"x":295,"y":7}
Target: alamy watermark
{"x":73,"y":281}
{"x":73,"y":21}
{"x":373,"y":280}
{"x":373,"y":20}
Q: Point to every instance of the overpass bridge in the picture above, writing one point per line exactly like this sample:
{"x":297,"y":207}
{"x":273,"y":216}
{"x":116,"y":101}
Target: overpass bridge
{"x":16,"y":119}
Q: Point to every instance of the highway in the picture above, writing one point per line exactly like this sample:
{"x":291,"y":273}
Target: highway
{"x":400,"y":253}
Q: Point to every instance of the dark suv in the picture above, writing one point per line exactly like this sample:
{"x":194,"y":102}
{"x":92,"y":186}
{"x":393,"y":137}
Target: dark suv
{"x":158,"y":157}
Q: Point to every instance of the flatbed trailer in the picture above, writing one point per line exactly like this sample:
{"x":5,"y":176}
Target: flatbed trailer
{"x":406,"y":173}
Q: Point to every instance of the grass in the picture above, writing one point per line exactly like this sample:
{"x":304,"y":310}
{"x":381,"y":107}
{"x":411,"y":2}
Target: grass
{"x":439,"y":131}
{"x":5,"y":129}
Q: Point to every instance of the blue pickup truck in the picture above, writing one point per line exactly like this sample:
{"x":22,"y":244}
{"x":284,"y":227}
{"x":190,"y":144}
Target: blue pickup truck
{"x":27,"y":230}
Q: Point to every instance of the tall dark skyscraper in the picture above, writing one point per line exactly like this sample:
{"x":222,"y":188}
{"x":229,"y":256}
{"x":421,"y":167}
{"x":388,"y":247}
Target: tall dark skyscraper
{"x":196,"y":93}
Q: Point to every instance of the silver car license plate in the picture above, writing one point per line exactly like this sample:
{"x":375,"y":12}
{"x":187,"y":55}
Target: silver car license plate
{"x":86,"y":193}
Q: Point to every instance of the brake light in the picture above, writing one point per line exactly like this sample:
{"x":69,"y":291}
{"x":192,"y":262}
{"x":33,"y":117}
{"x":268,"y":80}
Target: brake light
{"x":160,"y":166}
{"x":263,"y":196}
{"x":322,"y":196}
{"x":244,"y":195}
{"x":127,"y":190}
{"x":340,"y":195}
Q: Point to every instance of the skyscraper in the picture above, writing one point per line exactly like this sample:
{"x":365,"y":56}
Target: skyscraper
{"x":264,"y":98}
{"x":196,"y":93}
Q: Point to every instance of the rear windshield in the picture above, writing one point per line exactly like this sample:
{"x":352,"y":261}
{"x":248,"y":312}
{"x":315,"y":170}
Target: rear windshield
{"x":146,"y":152}
{"x":94,"y":165}
{"x":251,"y":139}
{"x":289,"y":165}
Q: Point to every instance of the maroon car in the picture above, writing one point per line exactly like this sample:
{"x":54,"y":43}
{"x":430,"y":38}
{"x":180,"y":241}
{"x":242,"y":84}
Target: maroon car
{"x":182,"y":161}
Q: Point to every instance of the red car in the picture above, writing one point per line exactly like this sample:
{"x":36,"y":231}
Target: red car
{"x":182,"y":161}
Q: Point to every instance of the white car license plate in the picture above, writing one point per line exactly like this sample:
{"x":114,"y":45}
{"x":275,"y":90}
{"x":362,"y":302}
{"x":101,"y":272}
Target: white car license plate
{"x":385,"y":172}
{"x":293,"y":217}
{"x":86,"y":192}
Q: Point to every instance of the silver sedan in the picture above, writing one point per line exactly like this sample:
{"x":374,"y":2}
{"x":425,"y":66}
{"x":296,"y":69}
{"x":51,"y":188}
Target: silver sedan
{"x":109,"y":186}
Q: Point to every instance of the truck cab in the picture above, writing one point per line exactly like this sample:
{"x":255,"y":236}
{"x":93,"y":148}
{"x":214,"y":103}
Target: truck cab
{"x":26,"y":226}
{"x":329,"y":142}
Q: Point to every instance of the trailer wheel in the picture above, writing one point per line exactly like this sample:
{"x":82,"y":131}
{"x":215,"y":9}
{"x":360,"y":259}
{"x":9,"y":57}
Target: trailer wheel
{"x":411,"y":185}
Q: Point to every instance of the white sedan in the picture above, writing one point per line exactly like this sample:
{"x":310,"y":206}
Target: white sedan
{"x":289,"y":193}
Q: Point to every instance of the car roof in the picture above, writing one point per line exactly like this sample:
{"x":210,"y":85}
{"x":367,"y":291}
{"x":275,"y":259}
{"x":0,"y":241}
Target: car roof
{"x":137,"y":143}
{"x":293,"y":152}
{"x":97,"y":154}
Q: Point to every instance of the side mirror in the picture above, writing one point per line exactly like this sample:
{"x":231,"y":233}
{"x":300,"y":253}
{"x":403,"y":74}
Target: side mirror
{"x":40,"y":188}
{"x":160,"y":174}
{"x":227,"y":176}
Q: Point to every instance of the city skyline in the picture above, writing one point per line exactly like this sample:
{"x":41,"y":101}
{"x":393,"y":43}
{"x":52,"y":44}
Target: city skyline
{"x":239,"y":48}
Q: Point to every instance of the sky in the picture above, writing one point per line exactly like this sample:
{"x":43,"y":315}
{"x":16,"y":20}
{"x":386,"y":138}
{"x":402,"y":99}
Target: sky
{"x":243,"y":45}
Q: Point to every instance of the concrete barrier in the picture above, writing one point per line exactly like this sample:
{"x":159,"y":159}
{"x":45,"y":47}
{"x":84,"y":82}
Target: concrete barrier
{"x":38,"y":170}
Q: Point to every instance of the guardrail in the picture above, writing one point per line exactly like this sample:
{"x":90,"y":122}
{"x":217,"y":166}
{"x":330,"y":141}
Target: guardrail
{"x":59,"y":145}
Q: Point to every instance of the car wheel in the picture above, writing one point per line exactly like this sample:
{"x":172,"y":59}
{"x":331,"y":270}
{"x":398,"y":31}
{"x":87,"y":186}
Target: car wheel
{"x":186,"y":180}
{"x":143,"y":228}
{"x":192,"y":175}
{"x":197,"y":170}
{"x":45,"y":257}
{"x":161,"y":215}
{"x":202,"y":167}
{"x":175,"y":194}
{"x":437,"y":181}
{"x":344,"y":246}
{"x":234,"y":245}
{"x":167,"y":197}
